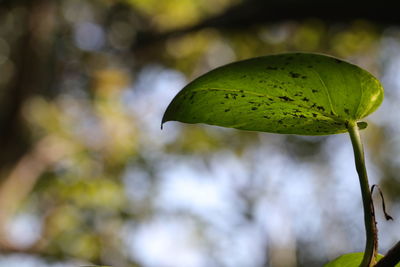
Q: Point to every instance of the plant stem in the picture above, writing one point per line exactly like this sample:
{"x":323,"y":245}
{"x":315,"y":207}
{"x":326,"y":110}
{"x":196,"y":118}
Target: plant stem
{"x":371,"y":246}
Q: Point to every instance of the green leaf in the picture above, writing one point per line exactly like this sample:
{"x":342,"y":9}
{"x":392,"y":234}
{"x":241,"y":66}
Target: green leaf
{"x":296,"y":93}
{"x":350,"y":260}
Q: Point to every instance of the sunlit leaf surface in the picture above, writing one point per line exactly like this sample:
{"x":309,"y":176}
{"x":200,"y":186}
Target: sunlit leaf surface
{"x":297,"y":93}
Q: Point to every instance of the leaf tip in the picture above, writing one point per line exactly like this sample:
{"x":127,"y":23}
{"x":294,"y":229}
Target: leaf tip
{"x":163,"y":120}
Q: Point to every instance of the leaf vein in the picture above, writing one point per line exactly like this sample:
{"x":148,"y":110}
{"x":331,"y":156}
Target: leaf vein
{"x":361,"y":96}
{"x":326,"y":90}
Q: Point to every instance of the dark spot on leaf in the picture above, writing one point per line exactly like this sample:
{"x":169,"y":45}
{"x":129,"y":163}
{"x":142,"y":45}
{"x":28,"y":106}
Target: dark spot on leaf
{"x":314,"y":91}
{"x":314,"y":105}
{"x":267,"y":117}
{"x":270,"y":99}
{"x":280,"y":121}
{"x":314,"y":115}
{"x":333,"y":114}
{"x":271,"y":68}
{"x":285,"y":98}
{"x":253,"y":108}
{"x":241,"y":91}
{"x":226,"y":96}
{"x":243,"y":95}
{"x":296,"y":111}
{"x":321,"y":108}
{"x":302,"y":116}
{"x":304,"y":77}
{"x":294,"y":74}
{"x":305,"y":99}
{"x":347,"y":111}
{"x":226,"y":110}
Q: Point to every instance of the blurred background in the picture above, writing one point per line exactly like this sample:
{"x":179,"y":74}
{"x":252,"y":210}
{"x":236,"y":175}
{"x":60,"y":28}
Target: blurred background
{"x":87,"y":176}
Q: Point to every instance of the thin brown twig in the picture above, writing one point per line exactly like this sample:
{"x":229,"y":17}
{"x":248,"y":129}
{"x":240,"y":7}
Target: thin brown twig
{"x":387,"y":216}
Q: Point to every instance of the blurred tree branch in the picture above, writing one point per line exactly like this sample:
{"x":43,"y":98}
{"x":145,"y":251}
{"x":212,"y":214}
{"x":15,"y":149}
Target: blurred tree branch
{"x":253,"y":12}
{"x":31,"y":57}
{"x":17,"y":186}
